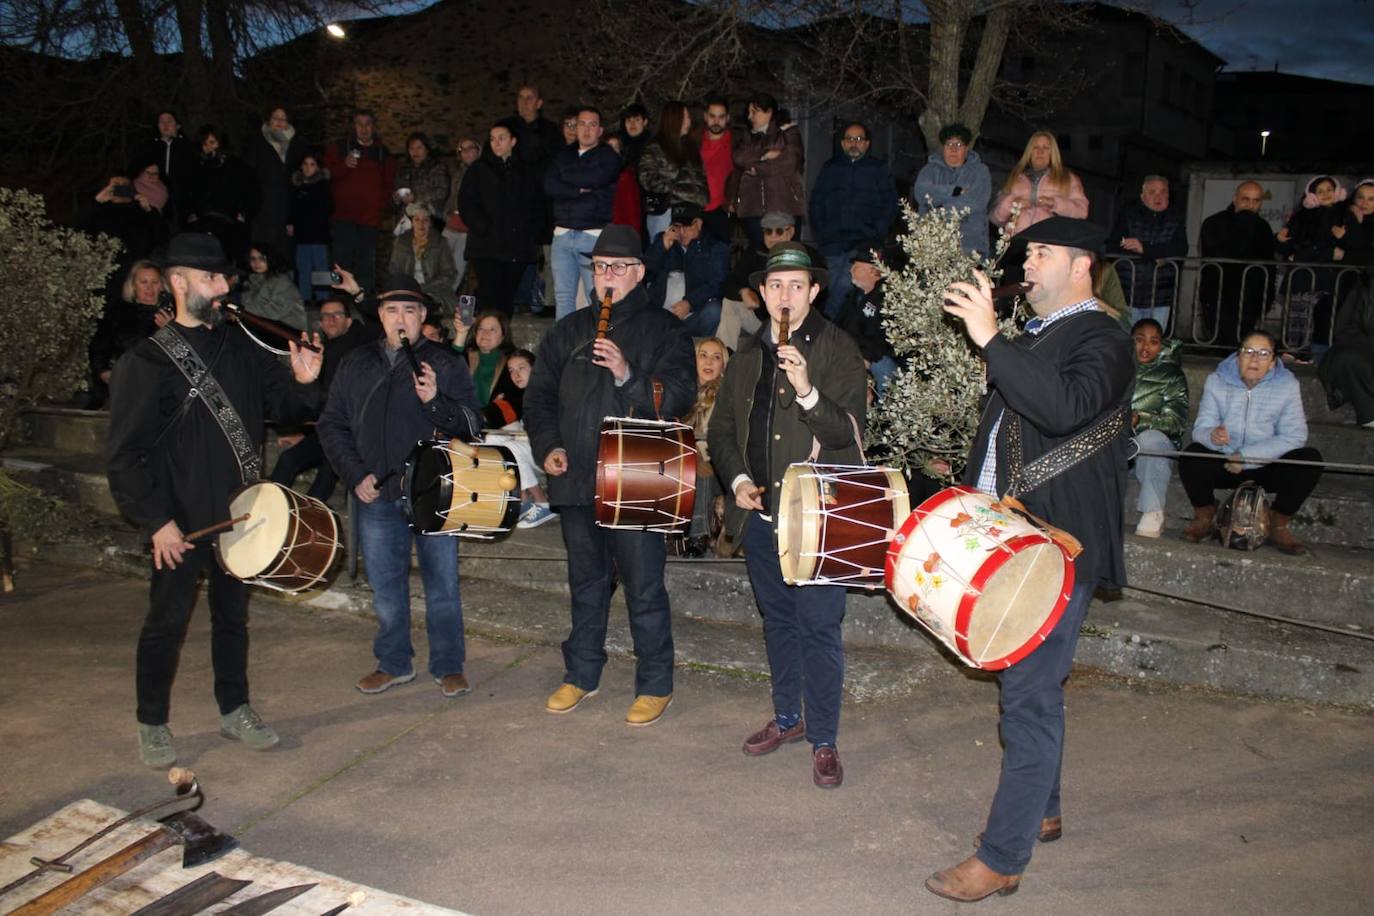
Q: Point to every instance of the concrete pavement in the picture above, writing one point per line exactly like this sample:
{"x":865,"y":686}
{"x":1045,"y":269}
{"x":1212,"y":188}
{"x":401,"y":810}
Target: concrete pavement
{"x":1176,"y":801}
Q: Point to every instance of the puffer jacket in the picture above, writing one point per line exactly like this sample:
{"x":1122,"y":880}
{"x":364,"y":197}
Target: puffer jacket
{"x":935,"y":187}
{"x":1262,"y":422}
{"x":1161,"y":393}
{"x":777,"y":183}
{"x":852,"y":203}
{"x":658,"y":175}
{"x":835,"y":368}
{"x":568,"y":395}
{"x":1057,"y":201}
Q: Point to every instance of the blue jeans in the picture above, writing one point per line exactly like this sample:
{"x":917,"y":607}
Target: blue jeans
{"x":881,"y":371}
{"x":703,"y":322}
{"x":385,"y":539}
{"x":1032,"y":742}
{"x":657,"y":223}
{"x":595,"y":556}
{"x":310,"y":258}
{"x":1158,"y":313}
{"x":840,"y":282}
{"x":569,"y":266}
{"x":1152,"y":472}
{"x":803,"y":633}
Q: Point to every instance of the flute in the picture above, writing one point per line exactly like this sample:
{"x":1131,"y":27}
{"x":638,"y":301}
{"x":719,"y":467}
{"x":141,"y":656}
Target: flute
{"x":603,"y":321}
{"x":410,"y":352}
{"x":783,"y":333}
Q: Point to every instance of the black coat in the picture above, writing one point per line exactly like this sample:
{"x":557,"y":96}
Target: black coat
{"x":1061,"y":383}
{"x":274,"y":187}
{"x":1161,"y":235}
{"x":568,"y":396}
{"x":311,"y":205}
{"x":183,"y":469}
{"x":177,"y":161}
{"x":503,"y":207}
{"x":862,"y":316}
{"x":1309,"y":233}
{"x":225,"y":187}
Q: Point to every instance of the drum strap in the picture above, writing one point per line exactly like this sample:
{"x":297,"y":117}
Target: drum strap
{"x":205,"y":387}
{"x":1024,"y":477}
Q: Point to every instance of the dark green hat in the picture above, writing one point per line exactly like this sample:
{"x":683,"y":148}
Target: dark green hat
{"x":789,"y":256}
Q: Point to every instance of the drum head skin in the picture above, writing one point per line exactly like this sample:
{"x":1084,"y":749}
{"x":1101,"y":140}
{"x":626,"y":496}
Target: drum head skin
{"x":252,"y":546}
{"x":835,"y":522}
{"x":798,"y":523}
{"x":427,"y":486}
{"x":447,"y":491}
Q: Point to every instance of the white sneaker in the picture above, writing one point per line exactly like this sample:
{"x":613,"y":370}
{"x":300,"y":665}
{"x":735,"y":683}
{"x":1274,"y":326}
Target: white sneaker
{"x":536,"y":515}
{"x":1151,"y":525}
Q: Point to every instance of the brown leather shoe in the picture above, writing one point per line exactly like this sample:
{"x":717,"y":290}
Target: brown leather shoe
{"x":1051,"y":829}
{"x":770,"y":738}
{"x":450,"y":685}
{"x":1282,"y":537}
{"x":1200,"y":528}
{"x":826,"y":771}
{"x":971,"y":880}
{"x":378,"y":681}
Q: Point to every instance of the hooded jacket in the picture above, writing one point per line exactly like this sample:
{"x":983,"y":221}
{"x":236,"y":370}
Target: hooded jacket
{"x":1309,"y":227}
{"x":1161,"y":393}
{"x":1263,"y":422}
{"x":936,"y":186}
{"x":568,"y":395}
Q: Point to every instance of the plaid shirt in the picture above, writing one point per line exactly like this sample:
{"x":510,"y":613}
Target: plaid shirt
{"x":987,"y":476}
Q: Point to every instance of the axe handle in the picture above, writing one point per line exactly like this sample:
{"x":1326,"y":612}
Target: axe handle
{"x":99,"y":874}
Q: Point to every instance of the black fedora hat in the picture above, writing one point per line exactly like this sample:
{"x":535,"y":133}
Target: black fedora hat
{"x":617,"y":241}
{"x":789,"y":256}
{"x":402,"y":288}
{"x":198,"y":251}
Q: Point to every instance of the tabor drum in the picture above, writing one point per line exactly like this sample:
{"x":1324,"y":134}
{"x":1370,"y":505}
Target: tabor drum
{"x":453,"y":488}
{"x":835,"y":522}
{"x":646,"y":475}
{"x":288,"y":542}
{"x":988,"y":582}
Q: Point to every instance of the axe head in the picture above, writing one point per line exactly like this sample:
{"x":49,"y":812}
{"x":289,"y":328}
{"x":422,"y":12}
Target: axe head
{"x":200,"y":842}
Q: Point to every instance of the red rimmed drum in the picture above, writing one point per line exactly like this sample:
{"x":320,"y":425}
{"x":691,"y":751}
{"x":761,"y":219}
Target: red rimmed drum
{"x":288,"y":542}
{"x":646,"y":475}
{"x":983,"y":579}
{"x":835,"y":522}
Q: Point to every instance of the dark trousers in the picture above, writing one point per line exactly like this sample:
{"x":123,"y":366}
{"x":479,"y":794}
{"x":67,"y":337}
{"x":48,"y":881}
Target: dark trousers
{"x":1290,"y":484}
{"x":301,"y":457}
{"x":1032,"y":727}
{"x":803,"y":633}
{"x":595,"y":554}
{"x":497,"y":282}
{"x":355,"y":249}
{"x":173,"y":596}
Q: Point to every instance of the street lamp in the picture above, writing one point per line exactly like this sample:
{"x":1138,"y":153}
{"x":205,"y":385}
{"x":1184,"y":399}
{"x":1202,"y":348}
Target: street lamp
{"x":337,"y":31}
{"x":1264,"y":141}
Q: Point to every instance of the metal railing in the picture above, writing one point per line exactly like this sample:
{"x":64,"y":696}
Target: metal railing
{"x":1211,"y":302}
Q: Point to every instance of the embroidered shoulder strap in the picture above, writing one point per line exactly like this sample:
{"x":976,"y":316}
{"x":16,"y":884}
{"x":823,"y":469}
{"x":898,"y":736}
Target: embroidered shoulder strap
{"x":205,"y":387}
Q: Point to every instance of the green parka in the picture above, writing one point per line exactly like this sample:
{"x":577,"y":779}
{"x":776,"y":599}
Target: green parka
{"x":1161,"y":393}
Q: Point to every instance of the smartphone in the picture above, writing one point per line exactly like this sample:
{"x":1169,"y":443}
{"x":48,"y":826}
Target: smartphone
{"x":123,"y":191}
{"x":467,"y":307}
{"x":323,"y":278}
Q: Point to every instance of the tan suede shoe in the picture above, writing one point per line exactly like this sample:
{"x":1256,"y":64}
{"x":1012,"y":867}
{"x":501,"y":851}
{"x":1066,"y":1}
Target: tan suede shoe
{"x":647,"y":710}
{"x":566,"y":698}
{"x":971,"y":880}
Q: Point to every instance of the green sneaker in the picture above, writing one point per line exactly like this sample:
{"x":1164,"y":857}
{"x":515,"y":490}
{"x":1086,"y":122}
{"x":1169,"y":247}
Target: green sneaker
{"x":155,"y":746}
{"x":247,"y":726}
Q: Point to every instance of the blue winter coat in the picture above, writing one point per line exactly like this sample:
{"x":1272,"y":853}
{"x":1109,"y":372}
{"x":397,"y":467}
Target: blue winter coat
{"x":854,"y":201}
{"x":935,"y":187}
{"x":598,"y":170}
{"x":704,"y":264}
{"x":1263,"y":422}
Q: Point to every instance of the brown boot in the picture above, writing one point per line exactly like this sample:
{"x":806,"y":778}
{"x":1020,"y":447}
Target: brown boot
{"x":1282,"y":537}
{"x":1200,"y":528}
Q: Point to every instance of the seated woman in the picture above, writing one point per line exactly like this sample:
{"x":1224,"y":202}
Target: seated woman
{"x":137,"y":312}
{"x":421,"y":253}
{"x":503,"y":413}
{"x":1159,"y":414}
{"x":488,"y":344}
{"x":711,"y":359}
{"x":1251,"y":411}
{"x":268,"y":291}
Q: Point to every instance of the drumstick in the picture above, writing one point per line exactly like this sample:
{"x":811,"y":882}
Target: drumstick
{"x":218,"y":526}
{"x":603,"y":321}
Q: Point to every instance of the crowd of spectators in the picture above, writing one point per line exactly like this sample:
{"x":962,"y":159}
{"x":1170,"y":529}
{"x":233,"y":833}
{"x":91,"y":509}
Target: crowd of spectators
{"x":709,"y":198}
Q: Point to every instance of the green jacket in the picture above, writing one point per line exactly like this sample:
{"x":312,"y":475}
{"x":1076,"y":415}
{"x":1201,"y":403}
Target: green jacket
{"x":834,"y":366}
{"x":441,"y":276}
{"x":1161,"y":393}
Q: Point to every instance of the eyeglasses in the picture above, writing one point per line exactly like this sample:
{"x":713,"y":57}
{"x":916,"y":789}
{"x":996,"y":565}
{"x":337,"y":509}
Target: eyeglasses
{"x":617,"y":269}
{"x":1252,"y":353}
{"x":955,"y":144}
{"x":781,"y":231}
{"x":859,"y":139}
{"x":327,"y":316}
